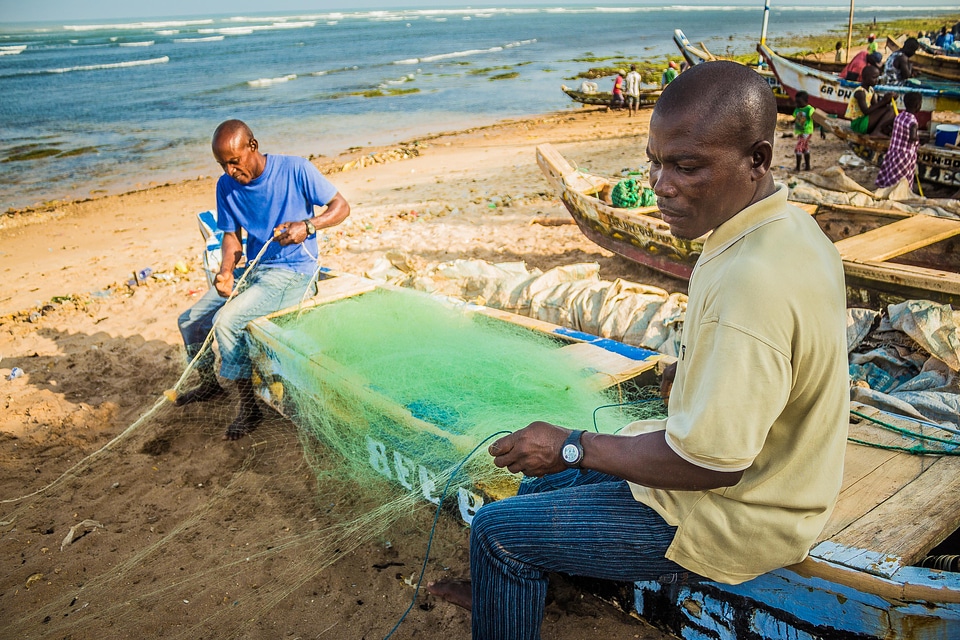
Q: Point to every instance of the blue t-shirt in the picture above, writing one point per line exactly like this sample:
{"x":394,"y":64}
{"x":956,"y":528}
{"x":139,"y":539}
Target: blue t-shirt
{"x":286,"y":191}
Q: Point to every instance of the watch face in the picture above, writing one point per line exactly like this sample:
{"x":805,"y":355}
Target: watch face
{"x":570,"y":453}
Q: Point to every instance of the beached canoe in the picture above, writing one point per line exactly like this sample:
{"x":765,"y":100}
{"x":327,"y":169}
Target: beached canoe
{"x":936,"y":165}
{"x":866,"y":577}
{"x":648,"y":97}
{"x":888,"y":256}
{"x":696,"y":55}
{"x":928,"y":62}
{"x":831,"y":94}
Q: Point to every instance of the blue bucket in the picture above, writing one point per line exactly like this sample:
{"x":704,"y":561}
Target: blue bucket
{"x":946,"y":134}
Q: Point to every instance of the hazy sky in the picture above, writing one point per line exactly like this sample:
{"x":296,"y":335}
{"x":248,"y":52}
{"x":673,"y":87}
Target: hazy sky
{"x":65,"y":10}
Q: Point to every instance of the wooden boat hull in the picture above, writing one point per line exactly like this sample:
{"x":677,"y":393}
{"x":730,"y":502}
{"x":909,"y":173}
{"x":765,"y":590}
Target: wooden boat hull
{"x":929,"y":269}
{"x":936,"y":165}
{"x":858,"y":582}
{"x":830,"y":94}
{"x":931,"y":64}
{"x":636,"y":234}
{"x":648,"y":97}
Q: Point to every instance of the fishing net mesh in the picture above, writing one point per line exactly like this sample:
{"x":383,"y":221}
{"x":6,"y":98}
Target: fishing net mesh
{"x":381,"y":399}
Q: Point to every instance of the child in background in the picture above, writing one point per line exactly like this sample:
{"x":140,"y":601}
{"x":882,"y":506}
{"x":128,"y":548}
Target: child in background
{"x":900,"y":161}
{"x":802,"y":128}
{"x":867,"y":113}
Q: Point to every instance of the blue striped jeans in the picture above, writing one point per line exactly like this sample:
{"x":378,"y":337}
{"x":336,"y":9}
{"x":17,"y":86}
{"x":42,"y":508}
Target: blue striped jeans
{"x":583,"y":524}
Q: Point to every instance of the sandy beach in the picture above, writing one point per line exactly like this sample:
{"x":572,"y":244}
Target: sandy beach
{"x":172,"y":499}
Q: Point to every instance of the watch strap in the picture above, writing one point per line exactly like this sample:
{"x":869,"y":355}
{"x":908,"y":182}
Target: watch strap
{"x":573,"y":440}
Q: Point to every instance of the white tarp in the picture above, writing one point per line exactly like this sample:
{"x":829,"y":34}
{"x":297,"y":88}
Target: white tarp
{"x":832,"y":186}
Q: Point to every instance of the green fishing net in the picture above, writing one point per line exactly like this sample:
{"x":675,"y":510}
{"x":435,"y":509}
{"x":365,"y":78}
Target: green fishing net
{"x":629,"y":193}
{"x":405,"y":386}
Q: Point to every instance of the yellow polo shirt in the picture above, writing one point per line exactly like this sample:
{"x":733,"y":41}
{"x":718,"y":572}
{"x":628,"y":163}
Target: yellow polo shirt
{"x":761,"y":387}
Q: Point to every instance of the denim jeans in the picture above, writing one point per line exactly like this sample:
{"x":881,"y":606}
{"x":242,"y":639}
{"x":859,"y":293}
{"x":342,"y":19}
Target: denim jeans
{"x":266,"y":289}
{"x":584,"y":524}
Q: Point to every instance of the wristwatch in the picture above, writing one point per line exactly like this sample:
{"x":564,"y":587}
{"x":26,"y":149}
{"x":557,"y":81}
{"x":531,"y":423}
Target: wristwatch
{"x":311,"y":230}
{"x":572,"y":452}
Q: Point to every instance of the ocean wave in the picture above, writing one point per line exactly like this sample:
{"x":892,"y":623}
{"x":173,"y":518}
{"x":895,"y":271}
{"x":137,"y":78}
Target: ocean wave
{"x":138,"y":25}
{"x":145,"y":43}
{"x":292,"y":25}
{"x":401,"y":80}
{"x":228,"y":31}
{"x":202,"y":39}
{"x":168,"y":32}
{"x":266,"y":82}
{"x":248,"y":29}
{"x":109,"y":65}
{"x":464,"y":54}
{"x":12,"y":50}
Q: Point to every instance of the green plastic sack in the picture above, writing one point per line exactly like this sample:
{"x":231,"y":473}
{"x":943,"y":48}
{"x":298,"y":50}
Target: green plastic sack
{"x":628,"y":194}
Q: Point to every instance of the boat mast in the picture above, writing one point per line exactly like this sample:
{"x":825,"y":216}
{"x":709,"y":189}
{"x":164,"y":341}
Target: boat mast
{"x":766,"y":19}
{"x":850,"y":31}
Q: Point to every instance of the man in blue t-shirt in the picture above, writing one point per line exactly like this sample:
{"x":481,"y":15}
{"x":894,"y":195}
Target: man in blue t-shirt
{"x":272,"y":198}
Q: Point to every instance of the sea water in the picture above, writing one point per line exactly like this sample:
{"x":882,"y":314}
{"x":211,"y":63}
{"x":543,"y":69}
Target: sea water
{"x":102,"y":107}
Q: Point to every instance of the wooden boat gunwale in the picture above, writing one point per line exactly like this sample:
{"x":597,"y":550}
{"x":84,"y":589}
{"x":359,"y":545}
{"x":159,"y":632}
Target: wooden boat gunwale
{"x":633,"y":232}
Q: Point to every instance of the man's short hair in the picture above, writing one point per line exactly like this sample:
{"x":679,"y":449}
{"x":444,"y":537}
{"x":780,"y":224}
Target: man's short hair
{"x":231,"y":128}
{"x":733,"y":100}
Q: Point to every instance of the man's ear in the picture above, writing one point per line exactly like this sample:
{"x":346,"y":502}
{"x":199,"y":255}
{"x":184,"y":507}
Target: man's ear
{"x":761,"y":157}
{"x":254,"y":145}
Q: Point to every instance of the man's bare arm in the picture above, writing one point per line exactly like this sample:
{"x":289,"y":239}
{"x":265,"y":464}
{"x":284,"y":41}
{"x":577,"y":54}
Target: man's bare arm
{"x":643,"y":459}
{"x":231,"y":250}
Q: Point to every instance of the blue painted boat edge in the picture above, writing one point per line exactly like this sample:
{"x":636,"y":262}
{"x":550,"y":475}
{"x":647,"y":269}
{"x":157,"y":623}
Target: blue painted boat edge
{"x":784,"y":603}
{"x":634,"y":353}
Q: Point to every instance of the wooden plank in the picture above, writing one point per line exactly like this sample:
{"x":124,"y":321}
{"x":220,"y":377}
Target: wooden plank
{"x":870,"y":476}
{"x":897,"y":238}
{"x":905,"y":275}
{"x":915,"y":519}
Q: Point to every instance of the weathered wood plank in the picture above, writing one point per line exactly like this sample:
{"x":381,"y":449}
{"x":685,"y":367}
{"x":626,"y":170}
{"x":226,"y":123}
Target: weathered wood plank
{"x":897,"y":238}
{"x":905,"y":275}
{"x":915,"y":519}
{"x":871,"y":475}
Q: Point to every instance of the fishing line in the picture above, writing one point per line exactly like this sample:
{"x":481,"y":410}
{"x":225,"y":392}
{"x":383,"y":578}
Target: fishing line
{"x":433,"y":528}
{"x":908,"y":432}
{"x":156,"y":406}
{"x":618,"y":404}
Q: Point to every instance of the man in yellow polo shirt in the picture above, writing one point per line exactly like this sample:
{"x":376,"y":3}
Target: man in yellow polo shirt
{"x":741,"y":477}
